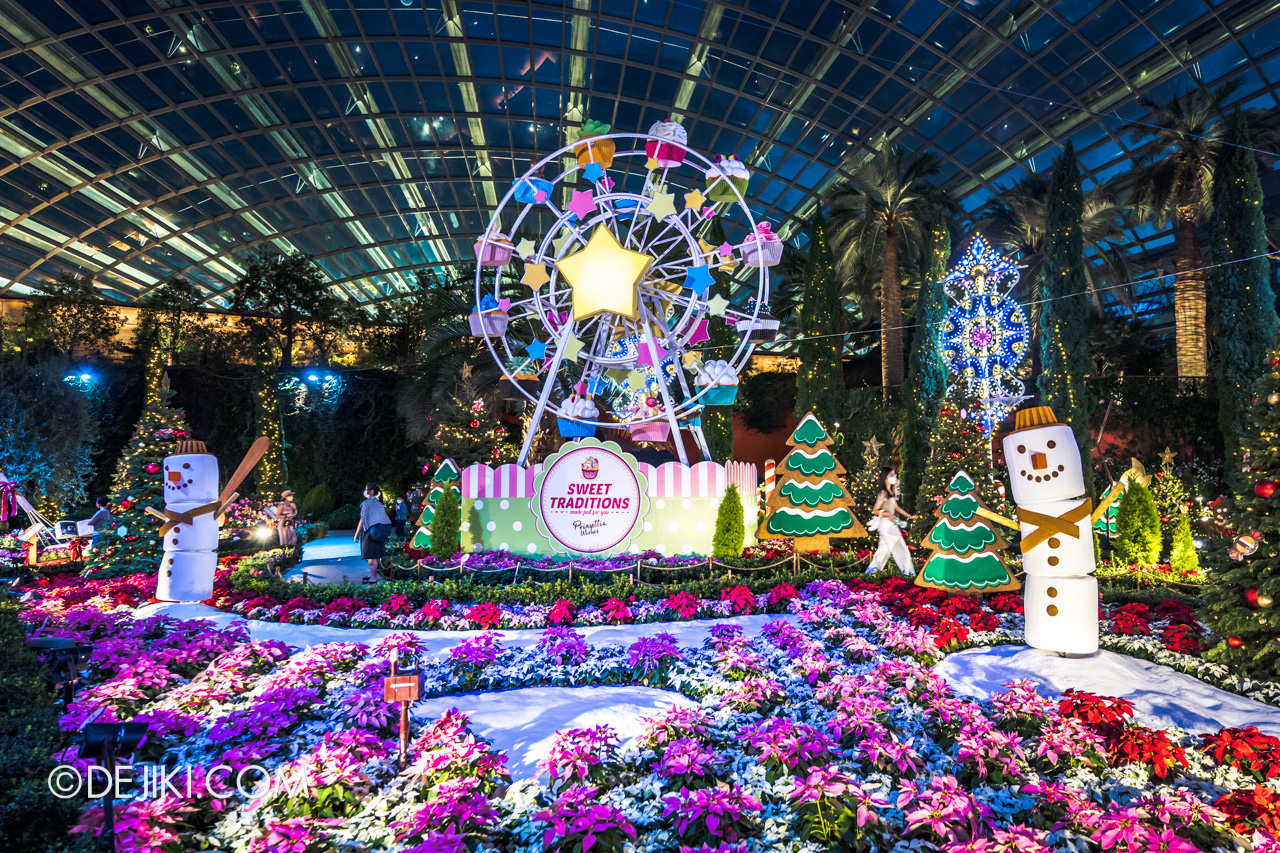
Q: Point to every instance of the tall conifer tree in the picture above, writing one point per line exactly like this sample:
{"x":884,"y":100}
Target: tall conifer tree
{"x":1243,"y":304}
{"x":927,"y":372}
{"x":820,"y":373}
{"x":1064,"y":332}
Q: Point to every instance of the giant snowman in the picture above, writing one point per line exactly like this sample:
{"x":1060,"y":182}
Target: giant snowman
{"x":190,"y":530}
{"x":1060,"y":597}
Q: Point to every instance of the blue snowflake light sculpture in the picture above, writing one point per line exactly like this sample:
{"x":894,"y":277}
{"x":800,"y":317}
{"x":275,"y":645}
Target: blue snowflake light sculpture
{"x":984,"y":336}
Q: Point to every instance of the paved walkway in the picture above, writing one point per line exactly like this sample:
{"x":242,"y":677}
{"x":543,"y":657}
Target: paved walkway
{"x":333,"y":559}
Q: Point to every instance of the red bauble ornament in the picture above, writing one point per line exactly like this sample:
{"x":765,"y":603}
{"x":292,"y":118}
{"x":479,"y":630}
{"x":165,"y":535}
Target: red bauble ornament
{"x":1265,"y":489}
{"x":1235,"y":642}
{"x":152,"y":467}
{"x":1274,"y":361}
{"x":651,"y":401}
{"x":474,"y":424}
{"x":1251,"y":596}
{"x":125,"y":504}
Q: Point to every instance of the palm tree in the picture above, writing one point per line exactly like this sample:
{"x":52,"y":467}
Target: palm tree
{"x":1016,"y":218}
{"x":884,"y":210}
{"x":1173,"y":186}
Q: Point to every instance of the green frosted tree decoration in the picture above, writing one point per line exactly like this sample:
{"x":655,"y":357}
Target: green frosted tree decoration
{"x":1065,"y":356}
{"x":1240,"y":603}
{"x":966,"y":547}
{"x":926,"y":382}
{"x":717,"y":421}
{"x":1170,"y":497}
{"x":820,"y":375}
{"x":1182,"y":551}
{"x":446,"y":473}
{"x":731,"y":531}
{"x":809,"y":502}
{"x":1138,"y":528}
{"x":1243,"y":305}
{"x":446,"y":524}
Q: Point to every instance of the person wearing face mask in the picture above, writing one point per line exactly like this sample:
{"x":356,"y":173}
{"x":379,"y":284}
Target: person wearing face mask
{"x":885,"y":522}
{"x":402,"y":516}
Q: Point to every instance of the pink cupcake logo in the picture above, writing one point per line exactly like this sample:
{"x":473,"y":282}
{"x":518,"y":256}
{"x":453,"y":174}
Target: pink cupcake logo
{"x":590,"y":468}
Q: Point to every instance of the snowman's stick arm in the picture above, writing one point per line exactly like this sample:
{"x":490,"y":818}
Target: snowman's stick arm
{"x":157,"y":513}
{"x":1103,"y":505}
{"x":256,"y":451}
{"x":998,"y":519}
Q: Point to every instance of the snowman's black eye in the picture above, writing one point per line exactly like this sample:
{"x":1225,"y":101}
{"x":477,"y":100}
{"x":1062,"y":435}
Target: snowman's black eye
{"x":1022,"y":448}
{"x":1052,"y":445}
{"x":188,"y":464}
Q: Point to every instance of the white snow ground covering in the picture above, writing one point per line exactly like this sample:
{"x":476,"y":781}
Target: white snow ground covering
{"x":688,"y":634}
{"x":524,"y":722}
{"x":1161,"y":696}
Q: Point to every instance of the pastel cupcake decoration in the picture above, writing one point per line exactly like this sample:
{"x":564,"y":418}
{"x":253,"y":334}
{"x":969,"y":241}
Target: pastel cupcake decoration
{"x":724,"y":175}
{"x":761,"y":248}
{"x":592,"y":150}
{"x":667,"y":146}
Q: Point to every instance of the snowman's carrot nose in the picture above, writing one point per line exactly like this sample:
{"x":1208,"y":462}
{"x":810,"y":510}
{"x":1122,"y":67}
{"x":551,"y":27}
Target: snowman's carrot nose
{"x":175,"y":476}
{"x":1039,"y":461}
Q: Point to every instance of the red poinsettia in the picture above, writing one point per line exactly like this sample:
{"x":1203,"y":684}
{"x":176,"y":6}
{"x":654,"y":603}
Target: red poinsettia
{"x":1246,"y":811}
{"x":1247,"y":750}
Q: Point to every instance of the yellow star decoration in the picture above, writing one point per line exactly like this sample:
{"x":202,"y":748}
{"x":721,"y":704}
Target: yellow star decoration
{"x":717,"y":304}
{"x":651,"y":164}
{"x":694,"y":200}
{"x":692,"y":358}
{"x":727,"y":262}
{"x":525,"y":248}
{"x":465,"y":372}
{"x":572,"y":347}
{"x":662,"y":205}
{"x":604,"y":277}
{"x":636,"y":378}
{"x":1166,"y":458}
{"x":535,"y":275}
{"x":709,"y":252}
{"x":565,"y":236}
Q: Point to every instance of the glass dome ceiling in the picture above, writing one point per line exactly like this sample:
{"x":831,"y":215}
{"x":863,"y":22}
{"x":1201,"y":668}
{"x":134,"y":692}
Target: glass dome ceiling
{"x":143,"y":139}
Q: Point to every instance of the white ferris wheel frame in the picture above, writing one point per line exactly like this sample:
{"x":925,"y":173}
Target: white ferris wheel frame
{"x":549,"y":309}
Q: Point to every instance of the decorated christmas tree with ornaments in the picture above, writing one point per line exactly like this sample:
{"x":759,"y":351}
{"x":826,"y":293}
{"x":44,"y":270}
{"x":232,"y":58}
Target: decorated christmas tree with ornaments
{"x":809,"y":503}
{"x":468,"y":429}
{"x":958,"y":442}
{"x":1240,"y":604}
{"x":137,"y":485}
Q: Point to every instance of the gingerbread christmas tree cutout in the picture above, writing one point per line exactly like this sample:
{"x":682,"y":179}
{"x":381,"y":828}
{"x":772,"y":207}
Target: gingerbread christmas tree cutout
{"x":965,"y":545}
{"x":446,"y":474}
{"x":810,"y":503}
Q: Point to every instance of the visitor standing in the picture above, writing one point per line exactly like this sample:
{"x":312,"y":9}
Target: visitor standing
{"x":885,"y":522}
{"x":372,"y":530}
{"x":402,"y":516}
{"x":101,"y":524}
{"x":286,"y":520}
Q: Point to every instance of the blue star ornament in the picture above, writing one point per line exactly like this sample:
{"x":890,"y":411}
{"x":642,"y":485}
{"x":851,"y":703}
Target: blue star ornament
{"x":593,"y":172}
{"x":537,"y":349}
{"x":698,"y":279}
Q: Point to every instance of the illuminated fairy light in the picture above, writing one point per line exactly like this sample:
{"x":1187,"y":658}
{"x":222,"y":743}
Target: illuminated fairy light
{"x":984,"y":336}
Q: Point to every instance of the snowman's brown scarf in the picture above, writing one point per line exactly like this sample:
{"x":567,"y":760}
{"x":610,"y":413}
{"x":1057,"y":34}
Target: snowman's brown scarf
{"x":175,"y":518}
{"x":1048,"y":525}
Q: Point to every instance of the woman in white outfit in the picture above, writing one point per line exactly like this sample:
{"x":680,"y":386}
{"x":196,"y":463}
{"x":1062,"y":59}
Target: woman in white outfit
{"x":885,"y":521}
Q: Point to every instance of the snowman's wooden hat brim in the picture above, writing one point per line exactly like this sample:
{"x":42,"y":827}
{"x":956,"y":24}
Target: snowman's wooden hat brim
{"x":187,"y":448}
{"x":1034,"y":418}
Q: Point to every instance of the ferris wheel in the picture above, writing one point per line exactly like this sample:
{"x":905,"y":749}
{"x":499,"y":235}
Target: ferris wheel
{"x":616,"y":279}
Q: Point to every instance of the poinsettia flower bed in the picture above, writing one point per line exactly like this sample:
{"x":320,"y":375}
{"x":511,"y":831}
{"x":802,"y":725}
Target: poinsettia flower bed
{"x":829,"y":730}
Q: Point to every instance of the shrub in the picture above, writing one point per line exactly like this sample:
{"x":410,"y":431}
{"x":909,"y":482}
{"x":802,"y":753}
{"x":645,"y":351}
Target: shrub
{"x":318,"y":501}
{"x":345,"y":517}
{"x":730,"y":529}
{"x":1138,"y":528}
{"x":446,"y":525}
{"x":1182,"y":553}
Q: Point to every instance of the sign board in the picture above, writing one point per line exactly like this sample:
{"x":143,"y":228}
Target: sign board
{"x":590,"y":498}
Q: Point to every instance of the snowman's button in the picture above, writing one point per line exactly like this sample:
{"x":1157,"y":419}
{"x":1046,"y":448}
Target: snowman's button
{"x":169,"y":573}
{"x":1052,"y":610}
{"x":1053,"y":561}
{"x":1054,"y":541}
{"x":1053,"y":592}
